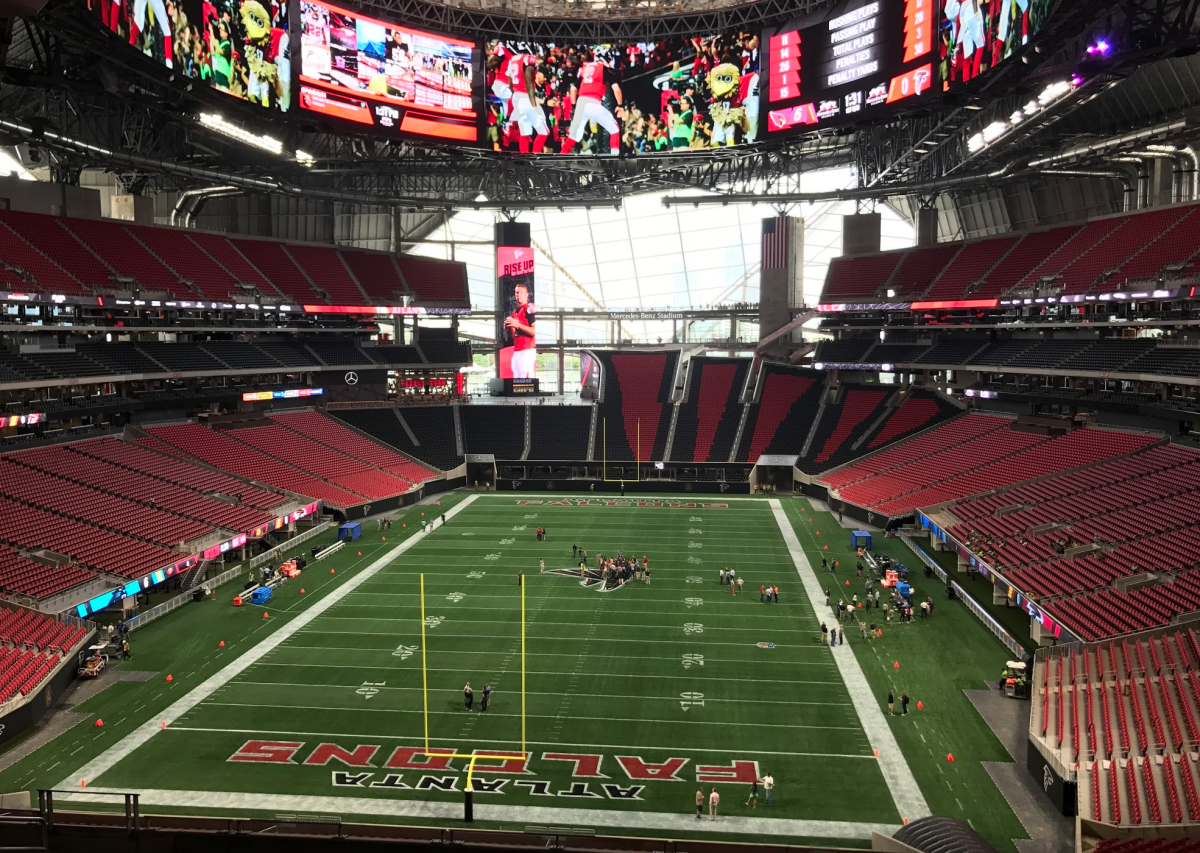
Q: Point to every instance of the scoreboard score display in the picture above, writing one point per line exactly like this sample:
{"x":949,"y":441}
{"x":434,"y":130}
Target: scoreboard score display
{"x":862,"y":59}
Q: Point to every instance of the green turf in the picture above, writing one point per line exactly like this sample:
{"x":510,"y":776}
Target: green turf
{"x":606,"y":675}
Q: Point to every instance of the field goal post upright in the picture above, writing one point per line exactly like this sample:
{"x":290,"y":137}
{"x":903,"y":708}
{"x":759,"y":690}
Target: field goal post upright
{"x":470,"y":758}
{"x":637,"y":454}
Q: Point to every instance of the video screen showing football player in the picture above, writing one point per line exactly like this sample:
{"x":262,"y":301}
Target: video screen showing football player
{"x":624,"y":98}
{"x":519,"y":328}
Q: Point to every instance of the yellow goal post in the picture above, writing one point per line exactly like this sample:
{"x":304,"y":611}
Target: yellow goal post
{"x":471,"y":757}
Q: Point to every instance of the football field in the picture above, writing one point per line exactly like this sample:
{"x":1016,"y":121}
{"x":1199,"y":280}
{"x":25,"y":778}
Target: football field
{"x":634,"y":696}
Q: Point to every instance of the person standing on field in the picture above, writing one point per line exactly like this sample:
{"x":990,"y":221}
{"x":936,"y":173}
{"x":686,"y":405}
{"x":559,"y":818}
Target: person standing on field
{"x":487,"y":696}
{"x":714,"y":800}
{"x":542,"y":566}
{"x":699,"y":802}
{"x":752,"y":800}
{"x":740,"y":582}
{"x":768,"y":785}
{"x":468,"y":696}
{"x":891,"y":704}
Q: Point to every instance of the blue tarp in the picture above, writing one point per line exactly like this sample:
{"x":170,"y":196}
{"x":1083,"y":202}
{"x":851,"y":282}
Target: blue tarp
{"x":860,"y":539}
{"x":351,"y":530}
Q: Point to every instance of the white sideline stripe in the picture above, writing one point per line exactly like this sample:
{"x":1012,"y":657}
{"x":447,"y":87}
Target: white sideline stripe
{"x":139,"y":736}
{"x":896,"y":772}
{"x":621,"y":749}
{"x":385,"y":807}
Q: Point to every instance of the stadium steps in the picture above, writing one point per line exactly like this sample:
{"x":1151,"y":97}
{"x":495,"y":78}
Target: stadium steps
{"x":291,"y":422}
{"x":978,"y":288}
{"x":890,"y":406}
{"x":950,"y":264}
{"x":408,"y":429}
{"x":366,"y":299}
{"x":671,"y":430}
{"x":53,"y":278}
{"x":812,"y":428}
{"x":528,"y":432}
{"x":88,"y":251}
{"x":185,"y":282}
{"x":737,"y":439}
{"x":591,"y":448}
{"x":1083,"y":241}
{"x":460,"y":446}
{"x":237,"y":254}
{"x":1157,"y":249}
{"x":194,"y":576}
{"x":169,"y":451}
{"x":234,"y":291}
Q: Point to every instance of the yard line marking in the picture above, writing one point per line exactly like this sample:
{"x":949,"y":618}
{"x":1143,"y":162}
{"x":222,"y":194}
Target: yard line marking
{"x":673,"y":658}
{"x":456,"y":713}
{"x":441,"y":636}
{"x":687,"y":676}
{"x":896,"y":772}
{"x":142,"y":734}
{"x":441,"y":811}
{"x":755,"y":630}
{"x":623,"y":748}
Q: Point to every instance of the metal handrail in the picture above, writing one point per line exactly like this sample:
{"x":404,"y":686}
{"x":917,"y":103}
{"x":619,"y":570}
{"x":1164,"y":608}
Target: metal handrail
{"x":266,"y":556}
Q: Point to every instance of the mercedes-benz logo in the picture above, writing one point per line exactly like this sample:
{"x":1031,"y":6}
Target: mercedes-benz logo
{"x":351,"y":378}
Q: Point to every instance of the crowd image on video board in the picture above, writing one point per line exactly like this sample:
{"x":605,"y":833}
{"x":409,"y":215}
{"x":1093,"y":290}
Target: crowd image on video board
{"x":628,"y":98}
{"x":977,"y":35}
{"x":237,"y":46}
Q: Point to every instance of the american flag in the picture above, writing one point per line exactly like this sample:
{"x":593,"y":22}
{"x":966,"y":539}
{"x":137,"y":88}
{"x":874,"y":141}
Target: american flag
{"x":775,"y":243}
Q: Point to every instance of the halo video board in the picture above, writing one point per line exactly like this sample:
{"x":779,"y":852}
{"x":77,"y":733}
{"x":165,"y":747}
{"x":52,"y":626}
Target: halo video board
{"x":860,"y":60}
{"x":388,"y":76}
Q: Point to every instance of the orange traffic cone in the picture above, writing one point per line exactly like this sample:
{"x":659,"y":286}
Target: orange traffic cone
{"x":170,"y":678}
{"x":265,"y":614}
{"x":949,"y":757}
{"x":99,"y":722}
{"x":302,"y":590}
{"x":360,"y":553}
{"x":331,"y":571}
{"x":920,"y":705}
{"x":896,"y":665}
{"x":221,"y":644}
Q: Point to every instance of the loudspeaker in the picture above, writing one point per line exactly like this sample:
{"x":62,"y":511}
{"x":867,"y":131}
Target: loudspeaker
{"x":508,"y":233}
